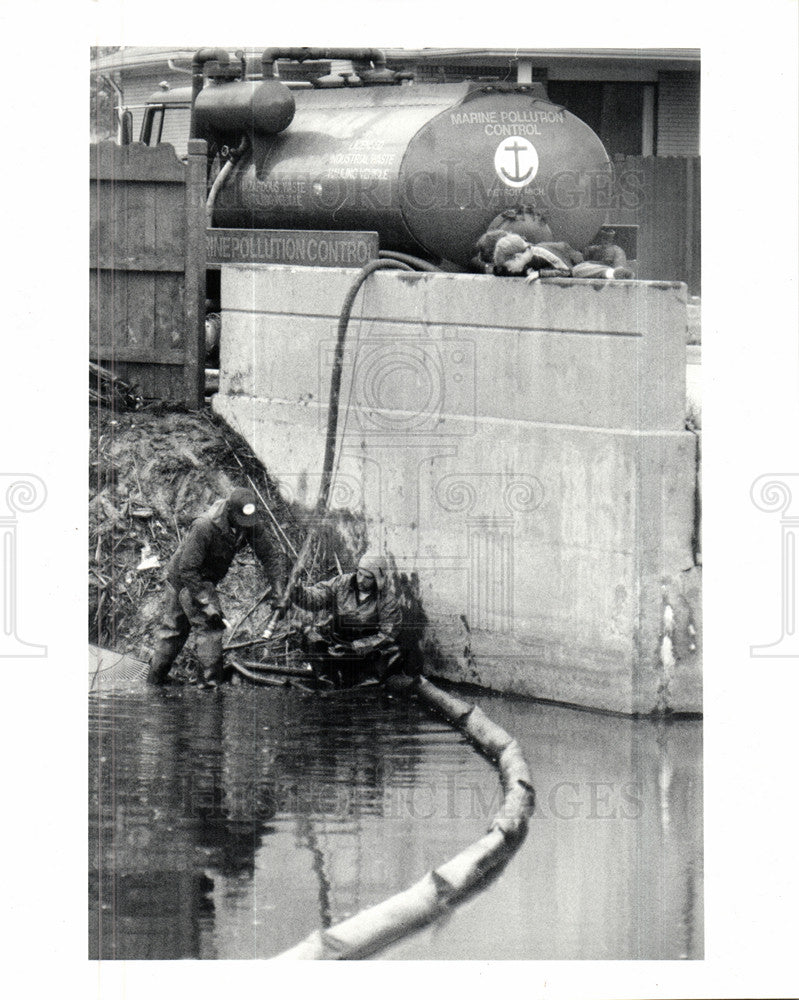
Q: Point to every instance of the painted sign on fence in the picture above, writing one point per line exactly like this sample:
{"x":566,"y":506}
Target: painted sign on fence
{"x":304,"y":247}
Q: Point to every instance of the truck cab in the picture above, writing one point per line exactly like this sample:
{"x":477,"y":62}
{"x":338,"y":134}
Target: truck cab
{"x":167,"y":118}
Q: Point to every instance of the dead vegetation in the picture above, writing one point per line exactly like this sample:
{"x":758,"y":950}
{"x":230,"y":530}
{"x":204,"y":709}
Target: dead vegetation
{"x":151,"y":472}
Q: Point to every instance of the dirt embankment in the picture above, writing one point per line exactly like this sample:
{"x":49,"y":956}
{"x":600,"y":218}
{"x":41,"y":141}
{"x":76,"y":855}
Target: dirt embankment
{"x":151,"y":472}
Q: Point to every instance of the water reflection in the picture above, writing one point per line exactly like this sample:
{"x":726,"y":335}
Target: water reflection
{"x":231,"y":825}
{"x":220,"y":824}
{"x":612,"y":865}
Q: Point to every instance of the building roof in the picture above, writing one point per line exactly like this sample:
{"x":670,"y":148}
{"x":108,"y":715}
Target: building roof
{"x":691,"y":56}
{"x":133,"y":58}
{"x":140,"y":59}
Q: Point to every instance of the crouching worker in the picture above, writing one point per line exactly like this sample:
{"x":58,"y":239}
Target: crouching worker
{"x":359,"y":639}
{"x":201,"y":561}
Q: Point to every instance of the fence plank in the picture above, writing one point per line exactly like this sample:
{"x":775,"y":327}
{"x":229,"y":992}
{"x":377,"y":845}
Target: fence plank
{"x":139,"y":163}
{"x":117,"y":318}
{"x":140,"y":311}
{"x":147,"y":260}
{"x":194,"y":285}
{"x":139,"y":262}
{"x":132,"y":355}
{"x":170,"y":222}
{"x":169,"y":313}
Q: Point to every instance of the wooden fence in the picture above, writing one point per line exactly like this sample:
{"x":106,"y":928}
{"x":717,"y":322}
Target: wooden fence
{"x":661,"y":196}
{"x":147,"y":261}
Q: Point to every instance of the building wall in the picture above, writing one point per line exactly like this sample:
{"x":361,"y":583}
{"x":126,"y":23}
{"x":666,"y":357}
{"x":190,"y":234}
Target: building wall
{"x":519,"y":452}
{"x":661,"y":197}
{"x":678,"y":114}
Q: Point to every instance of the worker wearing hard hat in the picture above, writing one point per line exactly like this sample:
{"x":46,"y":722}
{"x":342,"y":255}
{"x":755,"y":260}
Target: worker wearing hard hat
{"x":359,"y":639}
{"x":199,"y":564}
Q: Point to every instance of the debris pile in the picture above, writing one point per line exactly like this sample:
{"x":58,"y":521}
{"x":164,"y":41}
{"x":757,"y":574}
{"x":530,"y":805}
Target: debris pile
{"x":108,"y":389}
{"x":151,"y":472}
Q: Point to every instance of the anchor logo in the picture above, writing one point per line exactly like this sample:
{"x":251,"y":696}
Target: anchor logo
{"x":516,"y":161}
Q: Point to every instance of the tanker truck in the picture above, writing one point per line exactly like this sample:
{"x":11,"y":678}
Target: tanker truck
{"x":428,"y":167}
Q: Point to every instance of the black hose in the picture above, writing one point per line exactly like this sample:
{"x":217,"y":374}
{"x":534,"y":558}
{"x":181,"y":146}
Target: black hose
{"x":255,"y":678}
{"x":417,"y":263}
{"x":331,"y":433}
{"x":233,"y":157}
{"x":338,"y":365}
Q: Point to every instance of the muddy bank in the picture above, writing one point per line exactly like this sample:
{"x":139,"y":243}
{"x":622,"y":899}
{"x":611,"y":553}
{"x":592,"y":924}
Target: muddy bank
{"x":151,"y":472}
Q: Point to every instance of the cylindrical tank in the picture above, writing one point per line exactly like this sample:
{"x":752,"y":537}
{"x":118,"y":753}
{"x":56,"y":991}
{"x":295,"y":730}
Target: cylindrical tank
{"x":426,"y":166}
{"x":229,"y":110}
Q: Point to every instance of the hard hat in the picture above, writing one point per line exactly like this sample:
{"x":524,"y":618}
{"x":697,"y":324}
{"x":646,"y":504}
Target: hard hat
{"x":242,"y":507}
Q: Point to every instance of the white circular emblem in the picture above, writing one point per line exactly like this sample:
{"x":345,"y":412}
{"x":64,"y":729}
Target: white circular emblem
{"x":516,"y":161}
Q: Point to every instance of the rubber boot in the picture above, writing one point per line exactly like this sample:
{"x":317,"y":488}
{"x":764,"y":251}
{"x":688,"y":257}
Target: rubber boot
{"x":387,"y":662}
{"x":209,"y":653}
{"x":160,"y":663}
{"x":170,"y":638}
{"x":212,"y":678}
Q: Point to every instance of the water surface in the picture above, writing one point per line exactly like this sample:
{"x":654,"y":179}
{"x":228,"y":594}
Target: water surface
{"x":231,"y":825}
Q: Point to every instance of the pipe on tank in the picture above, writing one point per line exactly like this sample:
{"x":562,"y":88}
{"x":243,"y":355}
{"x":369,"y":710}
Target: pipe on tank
{"x":221,"y":178}
{"x":200,"y":58}
{"x":269,"y":57}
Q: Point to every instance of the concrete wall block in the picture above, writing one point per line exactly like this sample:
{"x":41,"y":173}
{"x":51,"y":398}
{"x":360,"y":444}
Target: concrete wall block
{"x":555,"y":671}
{"x":680,"y":661}
{"x":294,"y":291}
{"x":548,"y":552}
{"x":275,"y":357}
{"x":542,"y":553}
{"x":618,"y":307}
{"x":417,"y":354}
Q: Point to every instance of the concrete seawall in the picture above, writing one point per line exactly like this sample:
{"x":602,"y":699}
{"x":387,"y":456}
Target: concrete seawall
{"x":519,"y":449}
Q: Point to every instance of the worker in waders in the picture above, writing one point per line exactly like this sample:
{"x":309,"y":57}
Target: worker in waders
{"x":358,"y":640}
{"x":198,"y":565}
